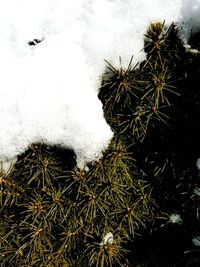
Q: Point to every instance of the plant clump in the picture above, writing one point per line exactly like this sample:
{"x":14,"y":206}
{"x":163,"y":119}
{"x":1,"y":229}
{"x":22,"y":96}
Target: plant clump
{"x":136,"y":206}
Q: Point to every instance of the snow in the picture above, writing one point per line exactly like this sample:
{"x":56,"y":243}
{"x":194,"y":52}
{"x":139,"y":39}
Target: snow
{"x":198,"y":163}
{"x":7,"y":165}
{"x":107,"y":239}
{"x":49,"y":91}
{"x":175,"y":218}
{"x":196,"y":241}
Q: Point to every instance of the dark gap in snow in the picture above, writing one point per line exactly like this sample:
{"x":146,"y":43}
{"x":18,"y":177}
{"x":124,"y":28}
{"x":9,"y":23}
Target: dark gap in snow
{"x":35,"y":41}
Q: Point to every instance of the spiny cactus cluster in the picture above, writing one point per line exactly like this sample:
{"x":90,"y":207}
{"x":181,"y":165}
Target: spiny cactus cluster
{"x":53,"y":215}
{"x":136,"y":206}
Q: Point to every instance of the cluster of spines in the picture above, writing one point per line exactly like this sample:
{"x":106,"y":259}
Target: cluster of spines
{"x":57,"y":215}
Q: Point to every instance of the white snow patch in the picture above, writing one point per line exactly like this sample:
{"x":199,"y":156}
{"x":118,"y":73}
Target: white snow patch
{"x":196,"y":241}
{"x":107,"y":239}
{"x":6,"y":166}
{"x":198,"y":163}
{"x":175,"y":218}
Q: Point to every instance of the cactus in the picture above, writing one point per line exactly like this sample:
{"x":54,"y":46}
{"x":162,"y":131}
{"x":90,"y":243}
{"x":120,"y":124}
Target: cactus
{"x":117,"y":211}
